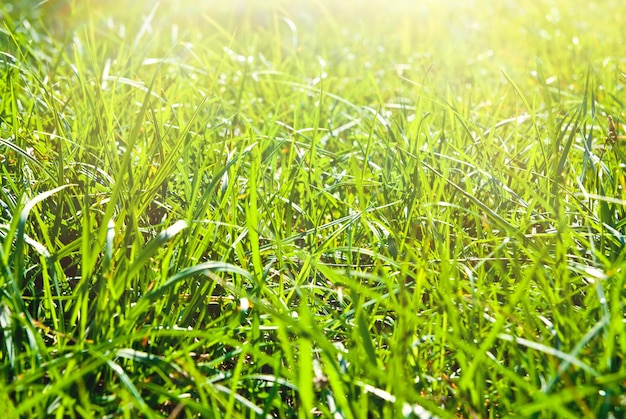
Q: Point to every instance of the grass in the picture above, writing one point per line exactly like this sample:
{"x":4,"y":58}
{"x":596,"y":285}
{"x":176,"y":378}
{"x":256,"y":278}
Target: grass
{"x":297,"y":209}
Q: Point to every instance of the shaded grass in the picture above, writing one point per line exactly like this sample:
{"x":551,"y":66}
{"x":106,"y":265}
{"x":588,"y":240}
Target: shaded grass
{"x":287,"y":213}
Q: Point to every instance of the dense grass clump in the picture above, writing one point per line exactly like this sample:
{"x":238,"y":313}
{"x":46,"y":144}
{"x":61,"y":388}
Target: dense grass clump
{"x":284,"y":209}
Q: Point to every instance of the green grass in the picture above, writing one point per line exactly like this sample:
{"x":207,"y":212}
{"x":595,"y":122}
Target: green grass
{"x":286,"y":209}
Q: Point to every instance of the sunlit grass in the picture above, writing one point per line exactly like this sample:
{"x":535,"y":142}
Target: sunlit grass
{"x":296,"y":209}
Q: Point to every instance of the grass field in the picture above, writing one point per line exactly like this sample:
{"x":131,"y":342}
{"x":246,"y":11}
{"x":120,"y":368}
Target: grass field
{"x":281,"y":209}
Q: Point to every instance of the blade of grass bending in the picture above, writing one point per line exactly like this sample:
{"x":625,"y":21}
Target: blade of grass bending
{"x":170,"y":368}
{"x":49,"y":277}
{"x":199,"y":269}
{"x":195,"y":270}
{"x":18,"y":261}
{"x":569,"y":358}
{"x":154,"y":244}
{"x":242,"y":400}
{"x":26,"y":155}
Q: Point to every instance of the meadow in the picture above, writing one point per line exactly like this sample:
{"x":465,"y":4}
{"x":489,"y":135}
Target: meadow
{"x":312,"y":209}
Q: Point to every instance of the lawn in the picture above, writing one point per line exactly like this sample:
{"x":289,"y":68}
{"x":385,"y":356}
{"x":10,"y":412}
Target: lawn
{"x":313,"y":208}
